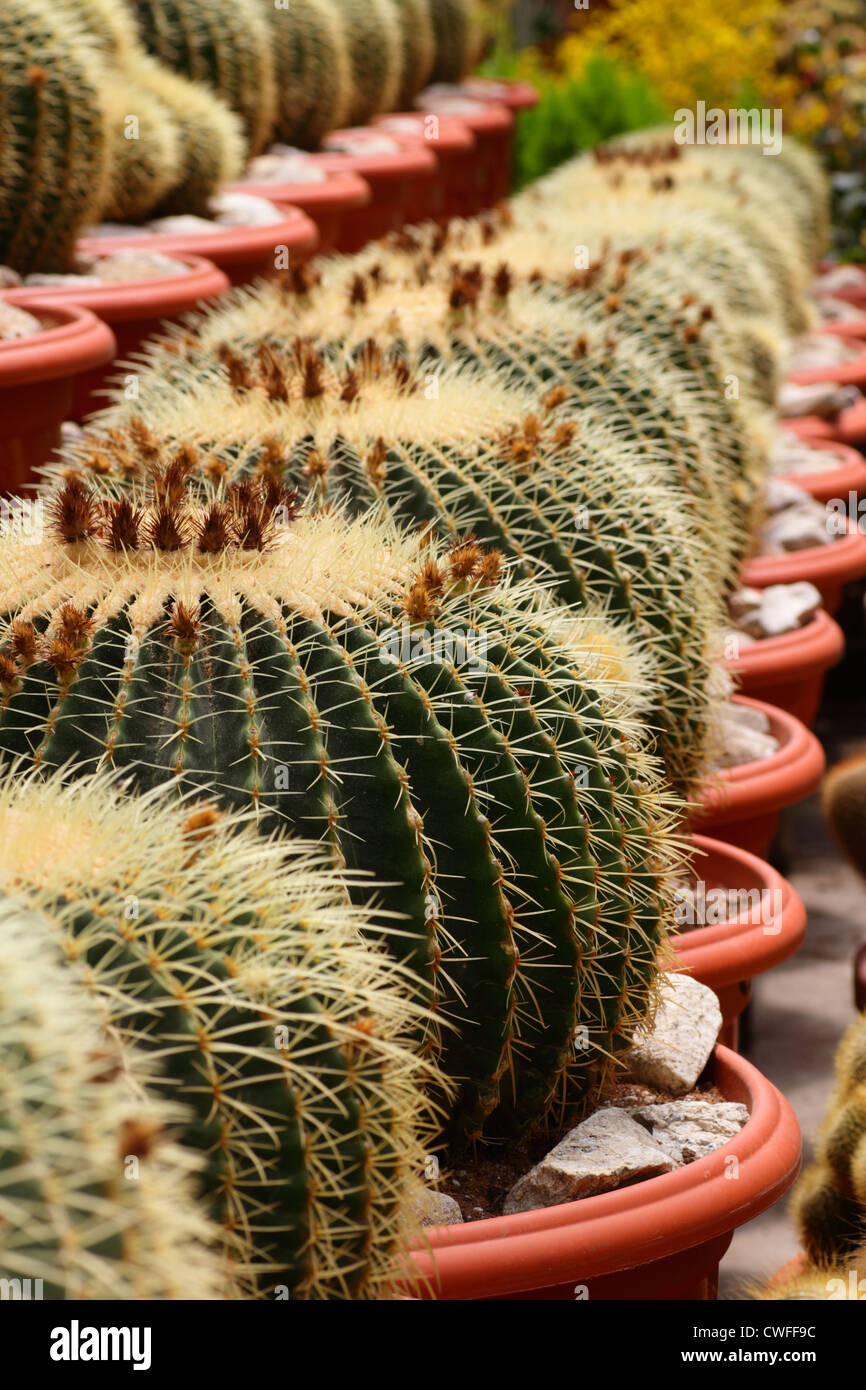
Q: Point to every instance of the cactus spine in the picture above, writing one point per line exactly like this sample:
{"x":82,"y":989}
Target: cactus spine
{"x":72,"y":1117}
{"x":54,"y":142}
{"x":267,"y":665}
{"x":237,"y":965}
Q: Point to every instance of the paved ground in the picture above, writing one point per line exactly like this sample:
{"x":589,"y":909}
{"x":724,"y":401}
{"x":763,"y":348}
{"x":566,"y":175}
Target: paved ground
{"x":801,"y":1009}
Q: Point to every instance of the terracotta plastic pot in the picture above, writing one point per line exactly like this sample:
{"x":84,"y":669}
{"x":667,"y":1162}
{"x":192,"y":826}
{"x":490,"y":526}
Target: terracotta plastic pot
{"x":851,"y":373}
{"x":661,"y":1239}
{"x":134,"y":310}
{"x":788,"y":671}
{"x":492,"y":124}
{"x":828,"y":567}
{"x":845,"y":482}
{"x":845,"y":328}
{"x":244,"y":253}
{"x":766,"y":926}
{"x":517,"y":96}
{"x":742,"y":805}
{"x":329,"y":201}
{"x":849,"y":427}
{"x":37,"y":385}
{"x":855,"y":295}
{"x":392,"y":165}
{"x":450,"y":192}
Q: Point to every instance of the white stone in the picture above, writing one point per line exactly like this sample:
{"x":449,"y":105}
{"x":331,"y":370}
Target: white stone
{"x":244,"y":210}
{"x":797,"y":528}
{"x":438,"y":1209}
{"x":813,"y":350}
{"x":690,"y":1129}
{"x":746,"y":717}
{"x":672,"y":1055}
{"x":185,"y":224}
{"x":603,"y":1152}
{"x":779,"y":495}
{"x":9,"y":278}
{"x":824,"y":398}
{"x":134,"y":264}
{"x":777,"y":609}
{"x":17,"y":323}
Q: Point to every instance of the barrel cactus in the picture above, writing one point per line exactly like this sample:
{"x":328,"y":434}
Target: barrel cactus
{"x":475,"y":752}
{"x":829,"y":1201}
{"x":418,"y":43}
{"x":313,"y":70}
{"x":236,"y":965}
{"x":54,"y":138}
{"x":571,"y":502}
{"x":95,"y":1201}
{"x":457,"y":38}
{"x":225,"y":44}
{"x":376,"y":55}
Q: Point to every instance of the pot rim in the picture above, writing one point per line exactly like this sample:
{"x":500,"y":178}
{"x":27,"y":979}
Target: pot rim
{"x":828,"y":483}
{"x":508,"y":91}
{"x":848,"y":428}
{"x":483,"y":117}
{"x":844,"y":373}
{"x":843,"y":559}
{"x":161,"y":296}
{"x":724,"y":953}
{"x":411,"y":159}
{"x":228,"y":246}
{"x":454,"y":135}
{"x":634,"y":1225}
{"x":807,"y":650}
{"x":76,"y":342}
{"x":338,"y":189}
{"x":764,"y":785}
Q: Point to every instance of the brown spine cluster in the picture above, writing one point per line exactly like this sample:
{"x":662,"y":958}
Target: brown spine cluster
{"x":243,"y":519}
{"x":466,"y":564}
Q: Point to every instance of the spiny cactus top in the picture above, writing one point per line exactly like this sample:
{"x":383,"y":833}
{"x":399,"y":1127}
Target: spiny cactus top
{"x":660,"y":388}
{"x":95,"y":1201}
{"x":237,"y":965}
{"x":572,"y":502}
{"x":479,"y":754}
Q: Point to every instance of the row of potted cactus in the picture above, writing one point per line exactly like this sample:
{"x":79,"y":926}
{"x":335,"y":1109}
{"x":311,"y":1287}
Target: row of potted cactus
{"x":354,"y":696}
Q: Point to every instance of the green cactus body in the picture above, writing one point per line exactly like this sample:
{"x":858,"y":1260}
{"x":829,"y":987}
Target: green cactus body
{"x":236,"y":965}
{"x":418,"y":42}
{"x":208,"y":667}
{"x":577,"y":506}
{"x":455,"y":39}
{"x":372,"y":30}
{"x":54,"y":140}
{"x":843,"y":799}
{"x":146,"y":150}
{"x":211,"y":146}
{"x":224,"y":44}
{"x":829,"y":1222}
{"x":313,"y":70}
{"x":76,"y":1215}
